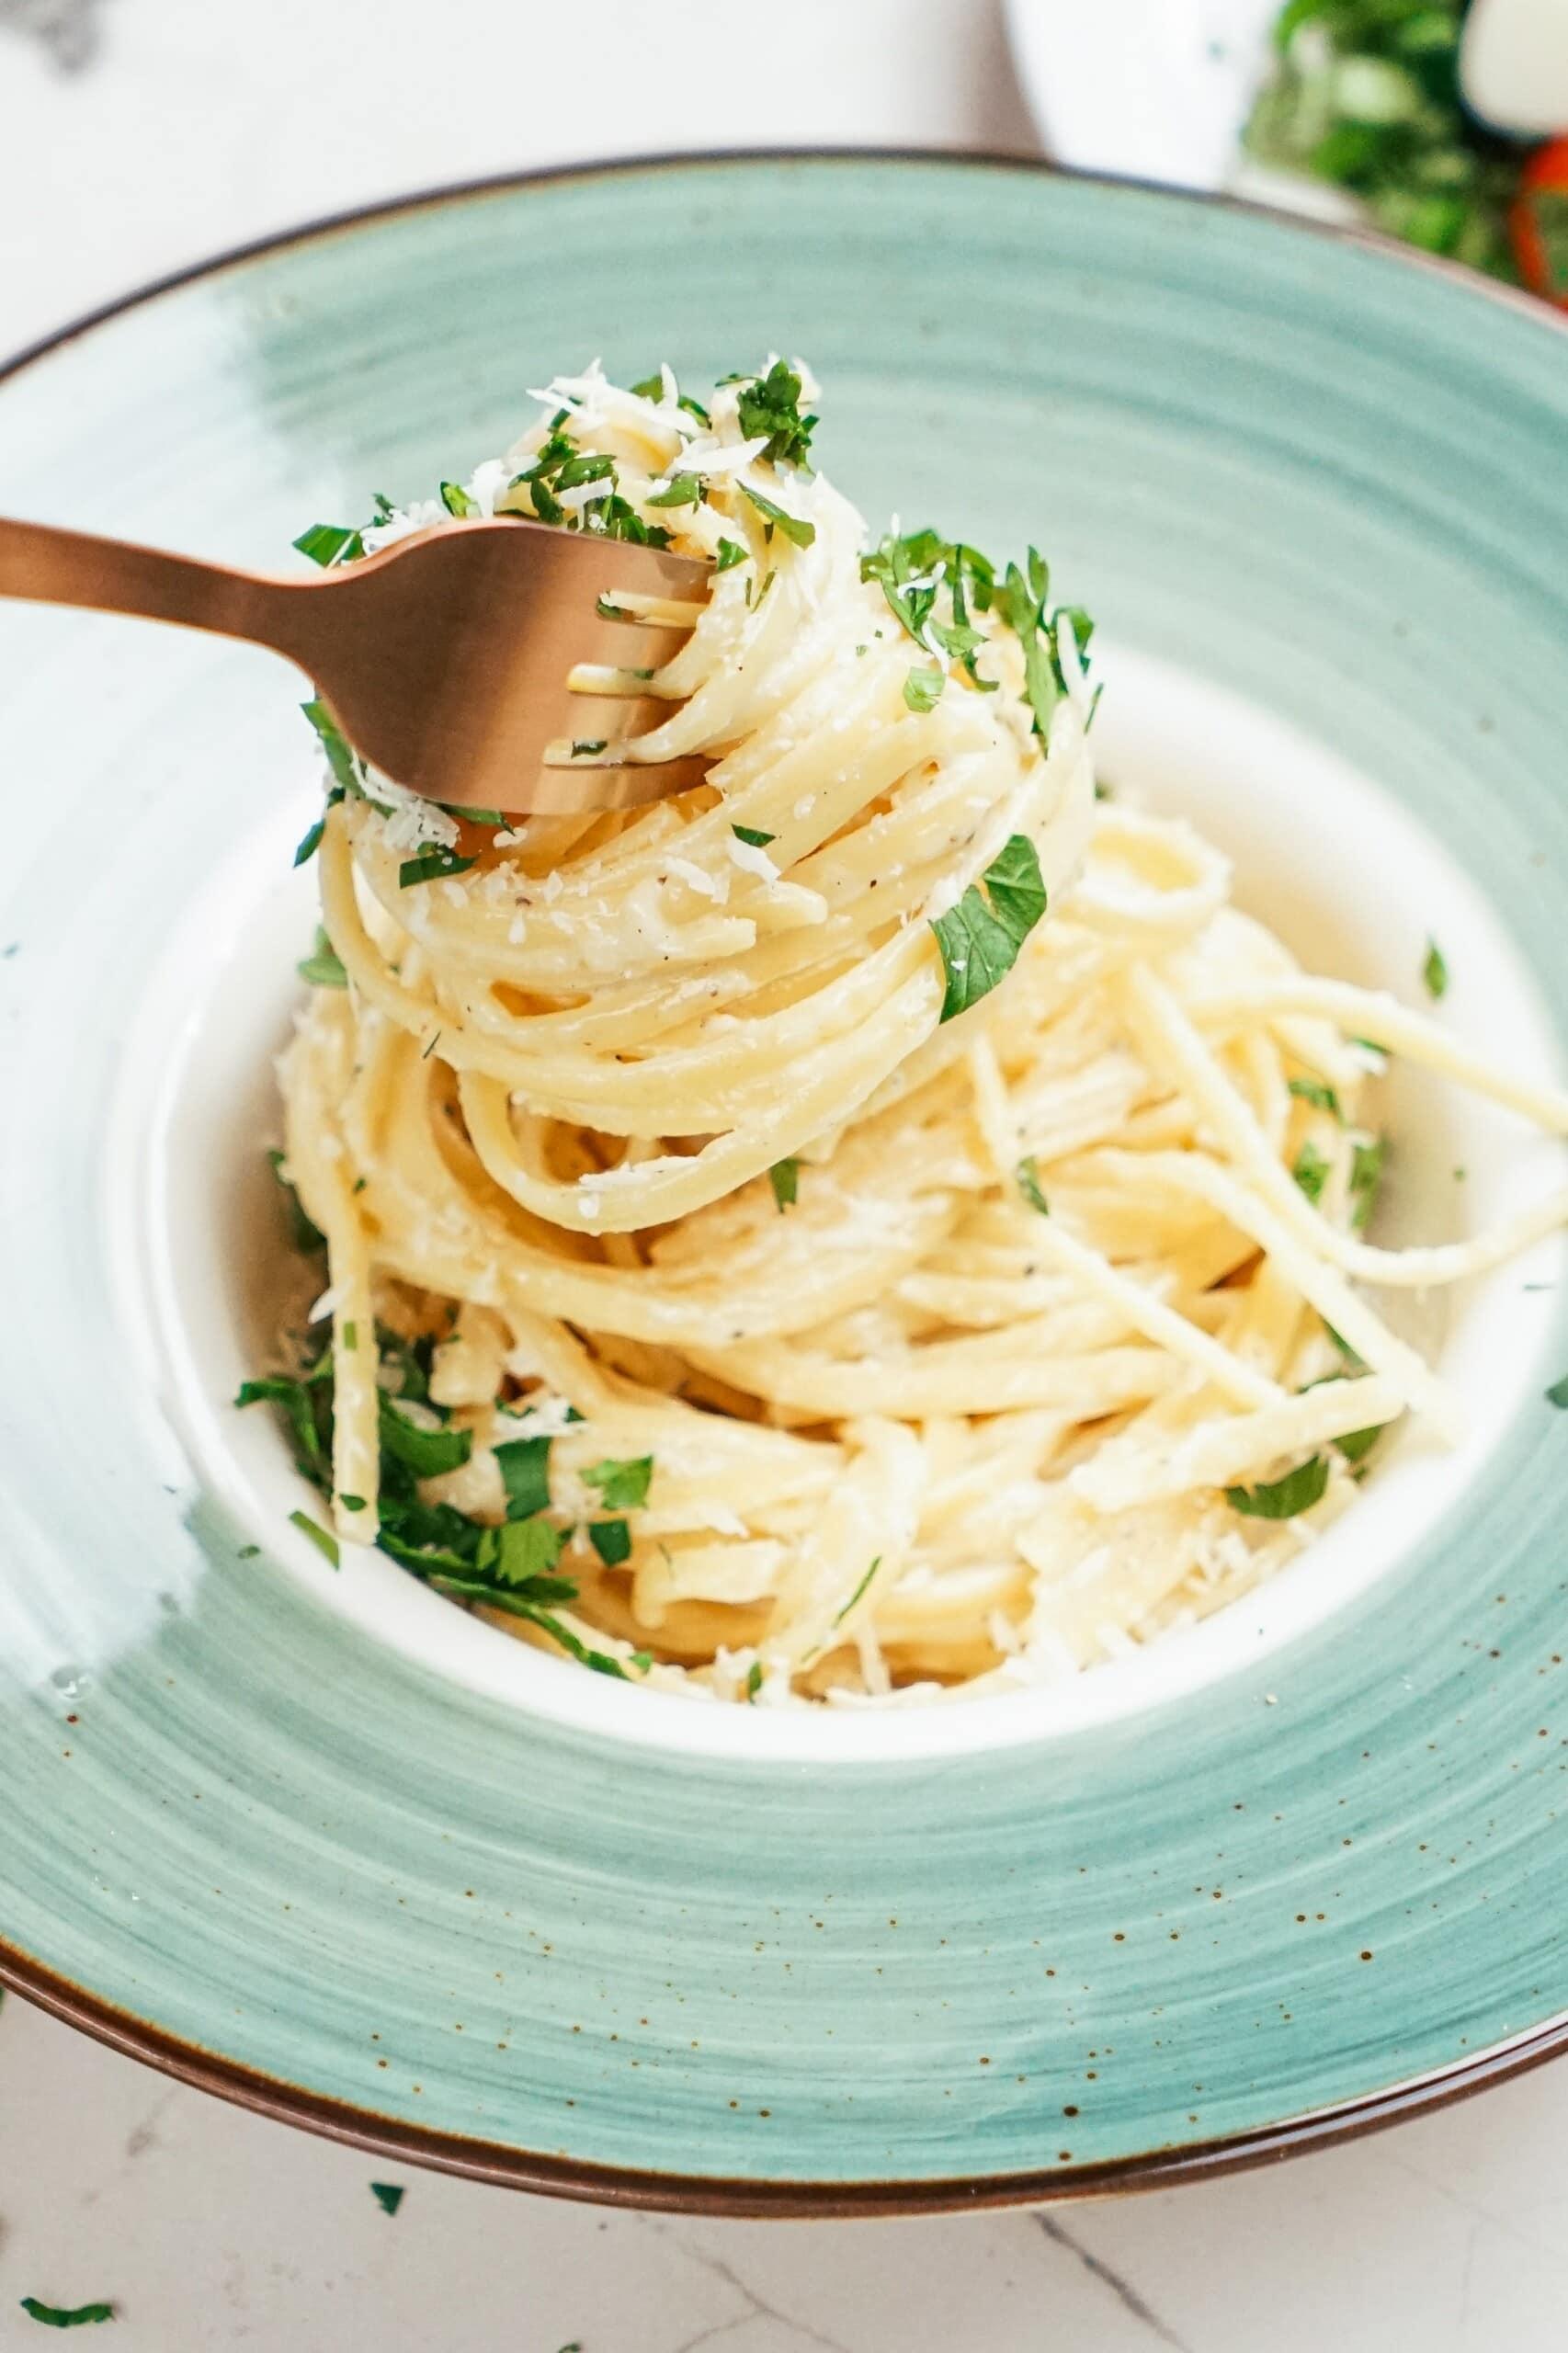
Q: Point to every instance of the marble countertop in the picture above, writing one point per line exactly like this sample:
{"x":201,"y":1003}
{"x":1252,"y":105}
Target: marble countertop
{"x":136,"y":135}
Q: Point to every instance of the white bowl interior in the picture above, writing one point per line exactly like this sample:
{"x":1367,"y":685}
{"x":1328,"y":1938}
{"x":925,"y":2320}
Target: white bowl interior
{"x":1322,"y":853}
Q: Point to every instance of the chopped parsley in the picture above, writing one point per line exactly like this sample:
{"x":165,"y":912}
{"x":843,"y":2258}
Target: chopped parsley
{"x":785,"y":1178}
{"x":753,"y":836}
{"x":351,"y":1335}
{"x":1366,"y":1177}
{"x":330,"y":543}
{"x":1435,"y":971}
{"x":979,"y":939}
{"x":325,"y":1543}
{"x":621,"y":1485}
{"x":1311,"y":1172}
{"x":1027,"y":1174}
{"x":523,"y":1552}
{"x":612,"y":1540}
{"x":588,"y":746}
{"x":347,"y":772}
{"x":304,"y":1235}
{"x":753,"y":1685}
{"x":730,"y":553}
{"x":1355,"y":1445}
{"x":610,"y":612}
{"x":65,"y":2316}
{"x":388,"y":2195}
{"x":1284,"y":1498}
{"x":859,"y":1589}
{"x":923,"y":688}
{"x":428,"y":1454}
{"x":512,"y":1568}
{"x":525,"y":1474}
{"x":436,"y":860}
{"x":683,"y":490}
{"x":323,"y":967}
{"x":457,"y":501}
{"x":1558,"y":1394}
{"x":1313,"y":1091}
{"x":774,"y":517}
{"x":771,"y":405}
{"x":492,"y":817}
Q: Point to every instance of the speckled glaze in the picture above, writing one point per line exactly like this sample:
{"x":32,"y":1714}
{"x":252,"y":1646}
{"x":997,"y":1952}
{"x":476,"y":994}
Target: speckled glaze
{"x":245,"y":1839}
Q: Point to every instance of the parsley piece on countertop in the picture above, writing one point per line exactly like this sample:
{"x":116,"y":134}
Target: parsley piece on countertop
{"x":330,"y":543}
{"x":1284,"y":1498}
{"x":525,"y":1474}
{"x":923,"y":688}
{"x":323,"y":967}
{"x":753,"y":836}
{"x":785,"y":1178}
{"x":794,"y":527}
{"x":729,"y":552}
{"x":1558,"y":1393}
{"x":388,"y":2195}
{"x":754,"y":1685}
{"x":1366,"y":1176}
{"x":683,"y":490}
{"x":65,"y":2316}
{"x":456,"y":501}
{"x":1311,"y":1172}
{"x":979,"y":939}
{"x":1026,"y":1174}
{"x":428,"y":1454}
{"x":1313,"y":1091}
{"x":771,"y":405}
{"x":623,"y":1485}
{"x":324,"y":1542}
{"x":436,"y":860}
{"x":859,"y":1589}
{"x":612,"y":1540}
{"x":304,"y":1234}
{"x":1435,"y":971}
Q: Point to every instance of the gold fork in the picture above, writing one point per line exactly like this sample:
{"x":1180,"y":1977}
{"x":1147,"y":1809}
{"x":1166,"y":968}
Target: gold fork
{"x":480,"y":663}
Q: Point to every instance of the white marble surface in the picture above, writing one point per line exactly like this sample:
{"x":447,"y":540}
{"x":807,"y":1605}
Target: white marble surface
{"x":135,"y":136}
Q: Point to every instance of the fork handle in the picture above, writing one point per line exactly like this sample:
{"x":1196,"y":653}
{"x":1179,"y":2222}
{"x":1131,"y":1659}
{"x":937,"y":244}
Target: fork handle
{"x":49,"y":566}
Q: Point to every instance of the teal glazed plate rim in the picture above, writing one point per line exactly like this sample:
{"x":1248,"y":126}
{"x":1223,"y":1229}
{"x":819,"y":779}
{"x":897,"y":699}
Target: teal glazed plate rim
{"x":321,"y":1845}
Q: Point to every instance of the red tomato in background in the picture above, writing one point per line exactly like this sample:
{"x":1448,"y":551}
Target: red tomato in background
{"x":1537,"y":221}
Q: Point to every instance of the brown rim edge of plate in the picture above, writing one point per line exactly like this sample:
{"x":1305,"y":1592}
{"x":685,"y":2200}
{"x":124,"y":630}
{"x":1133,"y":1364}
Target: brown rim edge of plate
{"x":547,"y":2175}
{"x":734,"y":2196}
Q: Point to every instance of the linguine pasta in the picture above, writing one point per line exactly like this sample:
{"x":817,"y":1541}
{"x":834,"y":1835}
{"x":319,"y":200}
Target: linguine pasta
{"x":768,"y":1260}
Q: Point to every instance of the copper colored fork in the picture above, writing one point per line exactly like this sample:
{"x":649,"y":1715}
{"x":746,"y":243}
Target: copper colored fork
{"x":488,"y":665}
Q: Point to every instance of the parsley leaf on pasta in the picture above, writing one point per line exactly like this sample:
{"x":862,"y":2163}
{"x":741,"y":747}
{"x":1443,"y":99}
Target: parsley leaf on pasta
{"x":323,"y":967}
{"x":979,"y":939}
{"x":623,"y":1485}
{"x":330,"y":543}
{"x":524,"y":1473}
{"x":785,"y":1178}
{"x":776,"y":518}
{"x":1284,"y":1498}
{"x":771,"y":405}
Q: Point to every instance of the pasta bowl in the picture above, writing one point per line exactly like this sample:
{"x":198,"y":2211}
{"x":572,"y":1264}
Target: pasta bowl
{"x":309,"y":1837}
